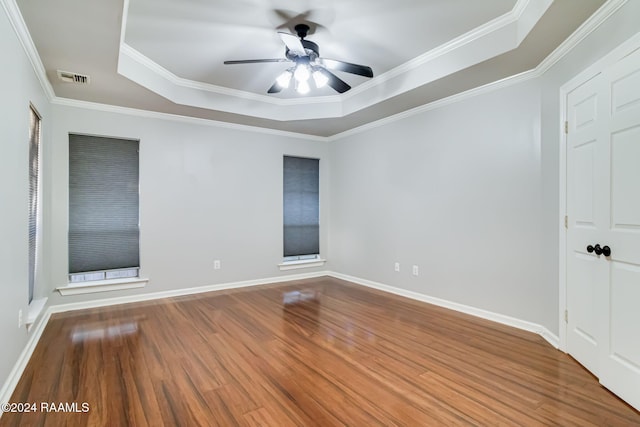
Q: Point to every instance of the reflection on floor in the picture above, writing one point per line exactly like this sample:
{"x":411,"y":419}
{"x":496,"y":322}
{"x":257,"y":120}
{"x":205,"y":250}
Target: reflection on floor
{"x":318,"y":352}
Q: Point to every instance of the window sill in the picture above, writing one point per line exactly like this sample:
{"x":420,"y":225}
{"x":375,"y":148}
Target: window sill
{"x":102,"y":286}
{"x":35,"y":308}
{"x":305,"y":263}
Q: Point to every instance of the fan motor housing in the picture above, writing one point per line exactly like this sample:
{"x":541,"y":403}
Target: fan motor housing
{"x":312,"y":49}
{"x":312,"y":46}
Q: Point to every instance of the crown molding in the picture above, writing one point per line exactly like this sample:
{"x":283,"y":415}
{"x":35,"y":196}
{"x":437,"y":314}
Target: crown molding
{"x":489,"y":87}
{"x":453,"y":99}
{"x":478,"y":33}
{"x":21,"y":30}
{"x":107,"y":108}
{"x":450,"y":46}
{"x":590,"y":25}
{"x":601,"y":15}
{"x":145,"y":72}
{"x":123,"y":22}
{"x":495,"y":37}
{"x":153,"y":66}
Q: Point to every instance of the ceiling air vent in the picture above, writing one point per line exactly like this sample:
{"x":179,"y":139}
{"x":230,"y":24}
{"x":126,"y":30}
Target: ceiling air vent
{"x":69,"y":77}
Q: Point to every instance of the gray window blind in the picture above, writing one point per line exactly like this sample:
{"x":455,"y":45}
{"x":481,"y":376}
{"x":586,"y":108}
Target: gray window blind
{"x":301,"y":206}
{"x":103,"y":203}
{"x":34,"y":177}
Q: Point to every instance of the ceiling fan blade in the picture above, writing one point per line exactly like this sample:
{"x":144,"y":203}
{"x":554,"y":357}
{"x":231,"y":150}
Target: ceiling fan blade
{"x":293,"y":43}
{"x":255,"y":61}
{"x":347,"y":67}
{"x":275,"y":88}
{"x":335,"y":82}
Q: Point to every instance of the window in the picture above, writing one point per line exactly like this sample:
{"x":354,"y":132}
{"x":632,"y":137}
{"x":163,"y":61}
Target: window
{"x":103,"y":208}
{"x":301,"y":209}
{"x":34,"y":197}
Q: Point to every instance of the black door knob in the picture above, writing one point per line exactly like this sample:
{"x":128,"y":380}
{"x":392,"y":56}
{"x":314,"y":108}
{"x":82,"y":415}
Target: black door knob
{"x":606,"y":250}
{"x":597,"y":249}
{"x":589,"y":248}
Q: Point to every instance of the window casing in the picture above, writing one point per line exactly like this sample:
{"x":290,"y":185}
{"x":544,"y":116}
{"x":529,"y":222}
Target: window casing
{"x":103,"y":208}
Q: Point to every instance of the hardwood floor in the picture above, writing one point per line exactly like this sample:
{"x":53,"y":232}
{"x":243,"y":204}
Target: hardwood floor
{"x":316,"y":352}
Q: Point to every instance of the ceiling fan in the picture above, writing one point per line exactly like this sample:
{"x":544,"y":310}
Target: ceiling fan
{"x":308,"y":65}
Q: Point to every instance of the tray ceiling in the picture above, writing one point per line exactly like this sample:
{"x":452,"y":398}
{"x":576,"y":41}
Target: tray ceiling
{"x":167,"y":55}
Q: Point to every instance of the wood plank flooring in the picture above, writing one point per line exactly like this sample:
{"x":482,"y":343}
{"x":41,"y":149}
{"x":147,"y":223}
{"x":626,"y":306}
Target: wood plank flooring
{"x":319,"y":352}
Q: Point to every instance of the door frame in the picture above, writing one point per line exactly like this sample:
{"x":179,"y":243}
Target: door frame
{"x":624,"y":49}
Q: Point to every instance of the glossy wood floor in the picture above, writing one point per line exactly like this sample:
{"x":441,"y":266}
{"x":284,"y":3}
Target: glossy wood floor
{"x":318,"y":352}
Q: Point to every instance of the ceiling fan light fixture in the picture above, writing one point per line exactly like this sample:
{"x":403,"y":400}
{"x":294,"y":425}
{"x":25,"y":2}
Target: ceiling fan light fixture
{"x":284,"y":79}
{"x":320,"y":78}
{"x":307,"y":64}
{"x":301,"y":74}
{"x":303,"y":87}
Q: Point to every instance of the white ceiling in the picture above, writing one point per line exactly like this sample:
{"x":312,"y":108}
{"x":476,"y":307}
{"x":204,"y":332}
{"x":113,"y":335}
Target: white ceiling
{"x":167,"y":55}
{"x":191,"y":38}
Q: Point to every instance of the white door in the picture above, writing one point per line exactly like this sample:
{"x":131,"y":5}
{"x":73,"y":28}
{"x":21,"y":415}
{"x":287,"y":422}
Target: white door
{"x":603,"y":205}
{"x":584,"y":271}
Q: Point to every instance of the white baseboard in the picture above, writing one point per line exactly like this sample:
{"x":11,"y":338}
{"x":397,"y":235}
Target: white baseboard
{"x":14,"y":376}
{"x":182,"y":292}
{"x":10,"y":384}
{"x":484,"y":314}
{"x":550,"y":337}
{"x":38,"y":327}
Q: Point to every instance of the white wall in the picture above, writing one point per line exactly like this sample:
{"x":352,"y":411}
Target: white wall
{"x":468,"y":192}
{"x":18,"y":87}
{"x":455,"y":191}
{"x":206,"y":193}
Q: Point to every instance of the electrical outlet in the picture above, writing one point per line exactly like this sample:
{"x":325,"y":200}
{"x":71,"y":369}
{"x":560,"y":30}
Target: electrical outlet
{"x":415,"y":270}
{"x":216,"y":264}
{"x":19,"y":318}
{"x":396,"y":266}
